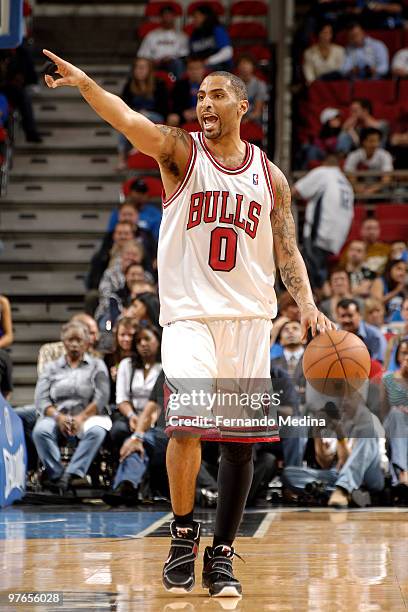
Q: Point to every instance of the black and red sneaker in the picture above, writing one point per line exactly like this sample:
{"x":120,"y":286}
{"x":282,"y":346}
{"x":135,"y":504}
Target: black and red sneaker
{"x":178,"y":571}
{"x":218,"y":575}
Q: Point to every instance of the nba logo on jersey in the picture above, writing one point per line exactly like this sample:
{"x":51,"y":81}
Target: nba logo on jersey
{"x":255,"y":179}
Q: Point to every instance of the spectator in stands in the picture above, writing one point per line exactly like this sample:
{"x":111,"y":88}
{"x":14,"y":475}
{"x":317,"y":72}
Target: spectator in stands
{"x":256,"y":88}
{"x":70,"y":393}
{"x":323,"y":59}
{"x":14,"y":81}
{"x":360,"y":118}
{"x":399,"y":66}
{"x":362,"y":278}
{"x":113,"y":280}
{"x":401,"y":333}
{"x":210,"y":40}
{"x":146,"y":94}
{"x":185,"y":93}
{"x":339,"y":289}
{"x":111,"y":249}
{"x":124,"y":331}
{"x":380,"y":15}
{"x":149,"y":214}
{"x":6,"y":323}
{"x":366,"y":57}
{"x":52,"y":351}
{"x":370,"y":156}
{"x":136,"y":377}
{"x":393,"y":288}
{"x":129,"y":213}
{"x":395,"y":415}
{"x":6,"y":374}
{"x":328,"y":140}
{"x":399,"y":141}
{"x":349,"y":318}
{"x":398,"y":250}
{"x":355,"y":457}
{"x":377,"y":252}
{"x":290,"y":339}
{"x":144,"y":308}
{"x":135,"y":275}
{"x":166,"y":46}
{"x":374,"y":312}
{"x":328,"y":217}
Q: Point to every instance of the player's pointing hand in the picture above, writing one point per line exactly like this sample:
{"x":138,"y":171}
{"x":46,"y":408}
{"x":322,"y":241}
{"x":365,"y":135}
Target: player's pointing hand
{"x":70,"y":74}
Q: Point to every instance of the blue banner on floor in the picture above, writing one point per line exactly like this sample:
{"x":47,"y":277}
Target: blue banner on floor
{"x":13,"y":455}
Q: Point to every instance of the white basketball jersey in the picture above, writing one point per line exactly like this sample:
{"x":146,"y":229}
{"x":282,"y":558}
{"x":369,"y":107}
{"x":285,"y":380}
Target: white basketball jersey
{"x":215,"y":253}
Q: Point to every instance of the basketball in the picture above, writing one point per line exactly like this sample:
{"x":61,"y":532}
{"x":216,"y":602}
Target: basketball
{"x":336,"y":363}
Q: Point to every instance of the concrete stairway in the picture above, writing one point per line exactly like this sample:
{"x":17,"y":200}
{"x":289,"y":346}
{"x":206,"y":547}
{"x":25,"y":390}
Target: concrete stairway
{"x":60,"y":192}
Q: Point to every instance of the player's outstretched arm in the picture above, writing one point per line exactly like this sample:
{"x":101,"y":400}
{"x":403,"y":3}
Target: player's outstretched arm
{"x":169,"y":146}
{"x":289,"y":260}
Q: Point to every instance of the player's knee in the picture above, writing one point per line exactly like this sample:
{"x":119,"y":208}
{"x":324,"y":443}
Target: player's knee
{"x":236,"y":453}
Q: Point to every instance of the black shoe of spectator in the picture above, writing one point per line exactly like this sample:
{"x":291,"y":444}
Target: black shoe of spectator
{"x":218,"y":575}
{"x":361,"y":498}
{"x":124,"y":494}
{"x":34,"y":137}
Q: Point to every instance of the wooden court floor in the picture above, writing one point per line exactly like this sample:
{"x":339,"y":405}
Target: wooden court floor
{"x":318,"y":561}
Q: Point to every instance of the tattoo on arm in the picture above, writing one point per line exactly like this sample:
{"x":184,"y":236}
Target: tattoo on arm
{"x":291,"y":265}
{"x":173,"y":136}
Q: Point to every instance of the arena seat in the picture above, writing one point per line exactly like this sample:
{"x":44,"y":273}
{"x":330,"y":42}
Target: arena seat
{"x":191,"y":126}
{"x":388,"y":112}
{"x":247,"y":29}
{"x":169,"y":80}
{"x":403,"y":92}
{"x":146,"y":27}
{"x":376,"y":91}
{"x":140,"y":161}
{"x":393,"y":219}
{"x":391,"y":38}
{"x":249,"y":8}
{"x":153,"y":9}
{"x":217,"y":7}
{"x":405,"y":37}
{"x":260,"y":52}
{"x":252,"y":131}
{"x":330,"y":93}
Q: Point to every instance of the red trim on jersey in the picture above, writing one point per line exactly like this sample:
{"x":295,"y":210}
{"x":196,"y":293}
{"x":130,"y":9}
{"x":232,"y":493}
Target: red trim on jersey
{"x":268,"y":178}
{"x":249,"y":155}
{"x":189,"y":168}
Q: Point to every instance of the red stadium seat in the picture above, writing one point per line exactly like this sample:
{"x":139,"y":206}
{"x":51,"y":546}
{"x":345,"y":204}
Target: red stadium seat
{"x":191,"y":126}
{"x":155,"y":186}
{"x":252,"y":131}
{"x":249,"y":7}
{"x":388,"y":112}
{"x":3,"y":134}
{"x":216,"y":6}
{"x":169,"y":80}
{"x":248,"y":29}
{"x":405,"y":38}
{"x":403,"y":92}
{"x":330,"y":93}
{"x":153,"y":8}
{"x":376,"y":91}
{"x":140,"y":161}
{"x":188,"y":29}
{"x":261,"y":53}
{"x":393,"y":219}
{"x":147,"y":27}
{"x":391,"y":38}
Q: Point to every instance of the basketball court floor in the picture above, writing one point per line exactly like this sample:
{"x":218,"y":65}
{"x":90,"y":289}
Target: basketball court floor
{"x":295,"y":560}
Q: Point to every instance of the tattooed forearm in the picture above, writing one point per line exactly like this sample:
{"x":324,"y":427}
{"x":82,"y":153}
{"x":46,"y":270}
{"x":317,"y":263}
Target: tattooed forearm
{"x":168,"y":155}
{"x":291,"y":265}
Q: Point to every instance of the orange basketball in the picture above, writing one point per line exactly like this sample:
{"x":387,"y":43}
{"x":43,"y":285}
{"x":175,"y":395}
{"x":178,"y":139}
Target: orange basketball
{"x":336,"y":363}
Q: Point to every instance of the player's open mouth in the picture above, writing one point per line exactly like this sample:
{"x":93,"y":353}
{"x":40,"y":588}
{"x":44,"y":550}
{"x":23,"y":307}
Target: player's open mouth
{"x":209,"y":120}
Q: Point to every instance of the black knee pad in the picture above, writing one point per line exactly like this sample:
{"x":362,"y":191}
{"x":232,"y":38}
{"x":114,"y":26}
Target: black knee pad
{"x":237,"y":453}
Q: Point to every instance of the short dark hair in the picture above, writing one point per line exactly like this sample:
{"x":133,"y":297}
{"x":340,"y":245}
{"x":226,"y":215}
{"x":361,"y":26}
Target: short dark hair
{"x":127,"y":202}
{"x":246,"y":57}
{"x":237,"y":85}
{"x":338,"y":270}
{"x":167,"y":8}
{"x":367,"y":132}
{"x":354,"y":24}
{"x":346,"y":302}
{"x":364,"y":103}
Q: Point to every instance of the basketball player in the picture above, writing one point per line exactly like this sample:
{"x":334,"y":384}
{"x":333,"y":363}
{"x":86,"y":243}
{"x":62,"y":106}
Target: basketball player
{"x":226,"y":221}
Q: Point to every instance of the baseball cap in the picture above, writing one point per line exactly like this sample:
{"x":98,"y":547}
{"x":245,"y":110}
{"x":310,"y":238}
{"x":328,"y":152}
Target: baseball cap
{"x":138,"y":185}
{"x":328,"y":114}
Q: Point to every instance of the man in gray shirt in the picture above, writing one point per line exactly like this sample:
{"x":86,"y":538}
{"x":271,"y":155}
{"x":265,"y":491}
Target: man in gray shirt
{"x":71,"y":396}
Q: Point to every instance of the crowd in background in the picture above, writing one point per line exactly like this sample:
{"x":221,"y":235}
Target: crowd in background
{"x":101,"y":386}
